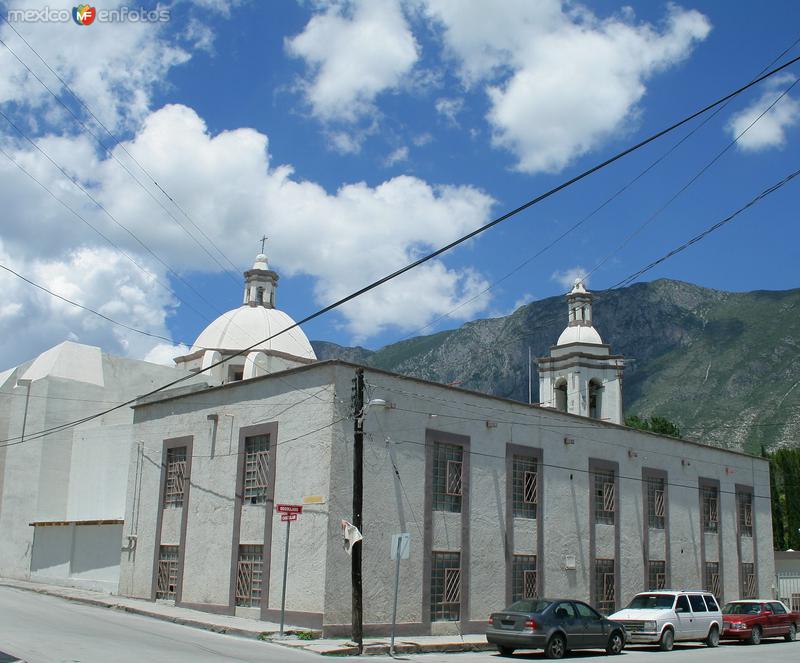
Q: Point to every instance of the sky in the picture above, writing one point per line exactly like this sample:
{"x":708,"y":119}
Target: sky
{"x":144,"y":158}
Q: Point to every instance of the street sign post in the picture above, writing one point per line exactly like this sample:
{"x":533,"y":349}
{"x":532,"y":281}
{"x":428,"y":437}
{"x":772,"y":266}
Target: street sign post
{"x":289,"y":513}
{"x":400,"y":549}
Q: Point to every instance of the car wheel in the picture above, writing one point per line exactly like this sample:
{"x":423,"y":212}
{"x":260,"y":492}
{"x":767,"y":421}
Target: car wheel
{"x":505,"y":651}
{"x":615,"y":643}
{"x":667,"y":640}
{"x":792,"y":634}
{"x":755,"y":636}
{"x":713,"y":636}
{"x":556,"y":647}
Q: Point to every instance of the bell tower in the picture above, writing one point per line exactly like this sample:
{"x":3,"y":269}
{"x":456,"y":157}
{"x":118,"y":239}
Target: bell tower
{"x":581,"y":376}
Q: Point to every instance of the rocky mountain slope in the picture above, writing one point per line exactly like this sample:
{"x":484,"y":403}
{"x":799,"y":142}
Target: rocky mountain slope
{"x":724,"y":366}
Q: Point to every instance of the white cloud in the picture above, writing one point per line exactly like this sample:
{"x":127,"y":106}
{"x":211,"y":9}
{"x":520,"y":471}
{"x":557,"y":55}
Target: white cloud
{"x":397,"y":156}
{"x":566,"y":278}
{"x":449,"y":108}
{"x":115,"y":67}
{"x":559,"y":79}
{"x":770,"y":130}
{"x":94,"y":277}
{"x":229,"y":187}
{"x":354,"y":51}
{"x":165,"y":353}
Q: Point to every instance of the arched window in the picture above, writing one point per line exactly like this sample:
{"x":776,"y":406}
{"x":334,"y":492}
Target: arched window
{"x":259,"y":296}
{"x":595,"y":399}
{"x":561,"y":394}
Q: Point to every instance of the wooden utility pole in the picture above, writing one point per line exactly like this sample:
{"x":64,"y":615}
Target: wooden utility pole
{"x":358,"y":503}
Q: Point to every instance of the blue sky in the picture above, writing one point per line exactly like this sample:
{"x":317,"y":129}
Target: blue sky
{"x":361,"y":135}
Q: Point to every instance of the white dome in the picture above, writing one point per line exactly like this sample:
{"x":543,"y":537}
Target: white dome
{"x":243,"y":326}
{"x":580,"y":334}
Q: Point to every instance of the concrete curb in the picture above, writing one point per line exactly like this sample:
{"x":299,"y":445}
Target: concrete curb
{"x":99,"y":603}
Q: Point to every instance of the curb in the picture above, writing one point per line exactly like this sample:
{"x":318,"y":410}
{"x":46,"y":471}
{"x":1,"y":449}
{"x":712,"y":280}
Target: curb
{"x":182,"y":621}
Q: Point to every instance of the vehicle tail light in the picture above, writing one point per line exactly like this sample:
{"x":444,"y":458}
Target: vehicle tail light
{"x":531,"y":624}
{"x":491,"y":620}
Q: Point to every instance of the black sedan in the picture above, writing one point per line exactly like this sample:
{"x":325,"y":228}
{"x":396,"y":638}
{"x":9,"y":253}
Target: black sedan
{"x":555,"y":625}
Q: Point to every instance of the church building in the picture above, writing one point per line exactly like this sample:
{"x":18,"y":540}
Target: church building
{"x":501,"y":499}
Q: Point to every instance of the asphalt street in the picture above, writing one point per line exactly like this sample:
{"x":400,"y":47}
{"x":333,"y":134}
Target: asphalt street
{"x":44,"y":629}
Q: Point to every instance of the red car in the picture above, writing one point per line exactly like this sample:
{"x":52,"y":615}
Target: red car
{"x":755,"y":619}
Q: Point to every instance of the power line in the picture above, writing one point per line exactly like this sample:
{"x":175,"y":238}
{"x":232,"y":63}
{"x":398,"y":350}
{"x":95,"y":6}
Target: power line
{"x":463,"y":238}
{"x":85,"y":308}
{"x":102,"y":208}
{"x":110,"y":152}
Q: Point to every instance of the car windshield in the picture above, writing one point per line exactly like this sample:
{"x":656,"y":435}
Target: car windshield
{"x":741,"y":609}
{"x":529,"y":605}
{"x":651,"y":601}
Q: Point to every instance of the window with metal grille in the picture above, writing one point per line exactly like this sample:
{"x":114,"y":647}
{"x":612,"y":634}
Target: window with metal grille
{"x":176,"y":477}
{"x":710,"y":509}
{"x":445,"y":586}
{"x":256,"y":469}
{"x":656,"y":574}
{"x":604,"y":586}
{"x":523,"y":578}
{"x":604,"y":497}
{"x":524,"y":486}
{"x":748,"y":580}
{"x":711,"y":578}
{"x":248,"y":576}
{"x":655,"y":502}
{"x":447,"y":477}
{"x":167,"y":572}
{"x":745,"y":509}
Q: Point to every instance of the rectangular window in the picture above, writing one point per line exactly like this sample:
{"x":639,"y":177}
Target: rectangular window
{"x":447,"y":477}
{"x":657,"y":574}
{"x":525,"y":487}
{"x":523,"y":578}
{"x":256,"y":469}
{"x":604,"y":497}
{"x":748,"y":580}
{"x":710,"y":509}
{"x":604,"y":586}
{"x":711,"y":578}
{"x":176,"y":477}
{"x":445,"y":586}
{"x":167,"y":572}
{"x":655,"y":503}
{"x":745,"y":509}
{"x":249,"y":576}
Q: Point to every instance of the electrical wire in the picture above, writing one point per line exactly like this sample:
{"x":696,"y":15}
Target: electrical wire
{"x":118,"y":143}
{"x":459,"y":241}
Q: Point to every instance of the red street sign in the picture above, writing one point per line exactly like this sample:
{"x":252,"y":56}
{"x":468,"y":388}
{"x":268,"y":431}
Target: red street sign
{"x":288,"y":517}
{"x":288,"y":508}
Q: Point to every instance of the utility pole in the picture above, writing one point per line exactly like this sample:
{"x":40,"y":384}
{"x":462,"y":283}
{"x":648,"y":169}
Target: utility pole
{"x":358,"y":503}
{"x":530,"y":382}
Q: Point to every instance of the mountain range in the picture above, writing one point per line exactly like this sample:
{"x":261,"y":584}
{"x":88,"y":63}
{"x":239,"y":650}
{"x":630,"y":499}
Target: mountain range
{"x":723,"y":366}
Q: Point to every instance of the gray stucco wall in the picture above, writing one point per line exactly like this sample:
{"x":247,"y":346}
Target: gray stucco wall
{"x":302,"y":405}
{"x":310,"y":407}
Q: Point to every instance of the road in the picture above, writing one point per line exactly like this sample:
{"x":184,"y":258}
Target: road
{"x":43,"y":629}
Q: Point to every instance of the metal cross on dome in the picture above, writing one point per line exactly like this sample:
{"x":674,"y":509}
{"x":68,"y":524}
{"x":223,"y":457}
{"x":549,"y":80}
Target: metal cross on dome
{"x":263,"y":239}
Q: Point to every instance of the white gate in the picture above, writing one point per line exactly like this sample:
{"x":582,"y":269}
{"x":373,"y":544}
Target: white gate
{"x":789,"y":589}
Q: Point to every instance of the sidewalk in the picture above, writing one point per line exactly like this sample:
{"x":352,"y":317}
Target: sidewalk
{"x":250,"y":628}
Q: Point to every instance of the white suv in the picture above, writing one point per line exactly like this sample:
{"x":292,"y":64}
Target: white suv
{"x":666,"y":616}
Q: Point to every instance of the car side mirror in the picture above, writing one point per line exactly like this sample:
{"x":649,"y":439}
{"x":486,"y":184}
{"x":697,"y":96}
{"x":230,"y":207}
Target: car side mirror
{"x":767,"y":611}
